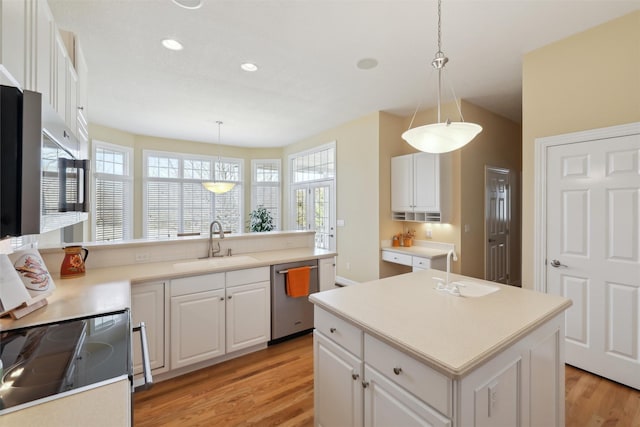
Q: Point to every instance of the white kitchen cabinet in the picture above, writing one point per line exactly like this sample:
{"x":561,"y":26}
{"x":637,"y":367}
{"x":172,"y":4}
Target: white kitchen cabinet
{"x":327,"y":273}
{"x":15,"y":44}
{"x":388,"y":404}
{"x":197,"y":319}
{"x":60,"y":64}
{"x":45,"y":36}
{"x":338,"y":390}
{"x":248,"y":309}
{"x":417,"y":262}
{"x":522,"y":385}
{"x":82,"y":104}
{"x":148,"y":305}
{"x":71,"y":114}
{"x":419,"y":188}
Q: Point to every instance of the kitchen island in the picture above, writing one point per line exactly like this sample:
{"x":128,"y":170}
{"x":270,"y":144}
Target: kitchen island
{"x":397,"y":351}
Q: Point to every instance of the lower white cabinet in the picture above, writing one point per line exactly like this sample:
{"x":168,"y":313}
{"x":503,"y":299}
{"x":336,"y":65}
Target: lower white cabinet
{"x":248,"y":308}
{"x":148,"y":304}
{"x":197,"y":327}
{"x":197,"y":319}
{"x":388,"y":404}
{"x":361,"y":381}
{"x":327,"y":273}
{"x":216,"y":314}
{"x":338,"y":390}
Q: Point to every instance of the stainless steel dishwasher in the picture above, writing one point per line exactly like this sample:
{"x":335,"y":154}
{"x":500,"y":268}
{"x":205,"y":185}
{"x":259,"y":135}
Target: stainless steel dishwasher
{"x":291,"y":316}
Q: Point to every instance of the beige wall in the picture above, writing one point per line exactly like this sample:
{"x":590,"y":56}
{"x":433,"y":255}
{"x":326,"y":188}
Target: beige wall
{"x":357,"y":198}
{"x":499,"y":144}
{"x":143,"y":142}
{"x":586,"y":81}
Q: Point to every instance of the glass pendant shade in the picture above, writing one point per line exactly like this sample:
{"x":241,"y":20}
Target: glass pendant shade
{"x":218,"y":187}
{"x":441,"y":137}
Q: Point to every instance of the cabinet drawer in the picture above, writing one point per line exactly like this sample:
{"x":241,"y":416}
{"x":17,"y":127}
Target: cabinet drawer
{"x":339,"y":331}
{"x":425,"y":383}
{"x":250,"y":275}
{"x":193,"y":284}
{"x":421,"y":262}
{"x":397,"y":258}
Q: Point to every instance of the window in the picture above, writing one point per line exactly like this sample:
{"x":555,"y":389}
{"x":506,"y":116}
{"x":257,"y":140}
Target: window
{"x":175,"y":200}
{"x":113,"y":196}
{"x":313,"y":194}
{"x":265,"y":188}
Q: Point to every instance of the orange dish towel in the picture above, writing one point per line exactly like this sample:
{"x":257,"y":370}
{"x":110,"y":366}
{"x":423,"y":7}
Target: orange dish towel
{"x":298,"y":282}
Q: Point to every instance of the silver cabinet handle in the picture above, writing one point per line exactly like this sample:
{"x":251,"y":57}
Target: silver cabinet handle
{"x":355,"y":376}
{"x":397,"y":371}
{"x":365,"y":384}
{"x":332,"y":330}
{"x":555,"y":263}
{"x":146,"y":365}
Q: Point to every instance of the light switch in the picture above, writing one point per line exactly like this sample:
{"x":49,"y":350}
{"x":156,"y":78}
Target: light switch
{"x":340,"y":222}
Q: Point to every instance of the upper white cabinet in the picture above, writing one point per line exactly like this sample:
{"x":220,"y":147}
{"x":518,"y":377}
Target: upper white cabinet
{"x":36,"y":55}
{"x":419,"y":187}
{"x":45,"y":36}
{"x":15,"y":47}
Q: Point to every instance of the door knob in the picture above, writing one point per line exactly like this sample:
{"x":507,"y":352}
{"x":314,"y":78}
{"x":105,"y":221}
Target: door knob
{"x":555,"y":263}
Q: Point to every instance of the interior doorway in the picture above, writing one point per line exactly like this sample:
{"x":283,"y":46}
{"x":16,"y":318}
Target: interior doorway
{"x":497,"y":220}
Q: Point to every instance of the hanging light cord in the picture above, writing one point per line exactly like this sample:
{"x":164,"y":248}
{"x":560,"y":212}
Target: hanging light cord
{"x":438,"y":63}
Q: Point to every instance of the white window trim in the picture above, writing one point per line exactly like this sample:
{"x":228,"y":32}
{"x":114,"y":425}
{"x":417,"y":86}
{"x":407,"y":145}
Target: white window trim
{"x":182,"y":156}
{"x":128,"y":178}
{"x":278,"y":184}
{"x":291,"y":217}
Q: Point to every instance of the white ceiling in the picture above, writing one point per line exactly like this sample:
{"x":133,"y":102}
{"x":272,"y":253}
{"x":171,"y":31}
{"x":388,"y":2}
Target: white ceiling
{"x":307,"y":52}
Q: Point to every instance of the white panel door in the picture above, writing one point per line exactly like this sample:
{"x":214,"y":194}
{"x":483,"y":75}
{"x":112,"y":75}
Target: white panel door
{"x":593,"y":241}
{"x":248,"y":315}
{"x":497,"y":222}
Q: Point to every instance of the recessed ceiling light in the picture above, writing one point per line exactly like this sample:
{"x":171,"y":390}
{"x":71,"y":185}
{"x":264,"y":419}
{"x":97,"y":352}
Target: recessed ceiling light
{"x":249,"y":66}
{"x":172,"y":44}
{"x":367,"y":63}
{"x":189,"y":4}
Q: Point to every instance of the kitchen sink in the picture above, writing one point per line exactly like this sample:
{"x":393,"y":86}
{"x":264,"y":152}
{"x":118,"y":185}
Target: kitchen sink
{"x":471,"y":289}
{"x":215,"y":262}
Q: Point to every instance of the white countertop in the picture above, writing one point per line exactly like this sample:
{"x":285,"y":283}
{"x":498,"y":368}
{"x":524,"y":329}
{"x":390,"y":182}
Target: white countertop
{"x":451,"y":334}
{"x":104,"y":290}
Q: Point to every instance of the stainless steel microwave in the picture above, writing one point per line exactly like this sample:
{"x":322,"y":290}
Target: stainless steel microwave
{"x":43,"y":184}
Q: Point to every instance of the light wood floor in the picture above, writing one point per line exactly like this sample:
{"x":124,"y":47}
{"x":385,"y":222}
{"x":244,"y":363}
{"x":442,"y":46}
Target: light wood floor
{"x":274,"y":387}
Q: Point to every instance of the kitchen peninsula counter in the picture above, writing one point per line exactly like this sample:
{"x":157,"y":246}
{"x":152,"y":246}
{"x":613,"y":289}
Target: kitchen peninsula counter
{"x":107,"y":289}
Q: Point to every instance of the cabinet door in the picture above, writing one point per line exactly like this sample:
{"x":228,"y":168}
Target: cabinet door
{"x":248,"y":315}
{"x":327,"y":273}
{"x":426,"y":178}
{"x":13,"y":52}
{"x":148,"y":306}
{"x":197,"y":327}
{"x":402,"y":183}
{"x":387,"y":404}
{"x":44,"y":51}
{"x":83,"y":100}
{"x":338,"y":392}
{"x":71,"y":115}
{"x":60,"y":58}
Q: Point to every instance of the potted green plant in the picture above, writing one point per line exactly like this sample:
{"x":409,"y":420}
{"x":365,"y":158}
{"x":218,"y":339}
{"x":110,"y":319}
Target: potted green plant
{"x":260,"y":219}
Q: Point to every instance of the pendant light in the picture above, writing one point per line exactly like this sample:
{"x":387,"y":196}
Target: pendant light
{"x":441,"y":137}
{"x":215,"y":186}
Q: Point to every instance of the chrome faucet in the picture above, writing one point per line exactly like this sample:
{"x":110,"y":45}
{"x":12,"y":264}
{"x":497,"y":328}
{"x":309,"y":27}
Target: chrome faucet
{"x":212,"y":252}
{"x":451,"y":254}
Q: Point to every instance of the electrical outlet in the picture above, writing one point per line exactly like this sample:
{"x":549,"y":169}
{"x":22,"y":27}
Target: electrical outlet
{"x":429,"y":235}
{"x":142,"y":257}
{"x":348,"y":266}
